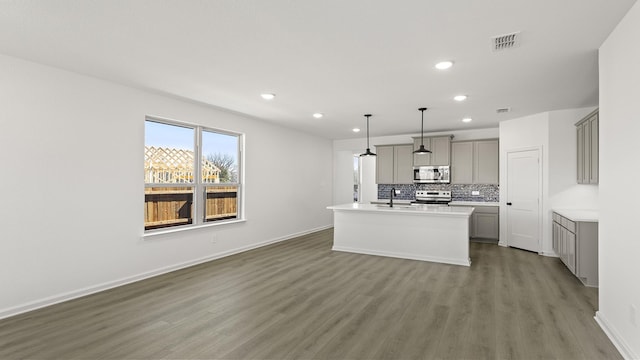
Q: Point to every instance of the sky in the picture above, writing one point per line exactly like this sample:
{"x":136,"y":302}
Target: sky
{"x":171,"y":136}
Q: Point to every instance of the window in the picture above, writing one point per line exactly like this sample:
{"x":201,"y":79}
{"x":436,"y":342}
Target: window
{"x":191,"y":174}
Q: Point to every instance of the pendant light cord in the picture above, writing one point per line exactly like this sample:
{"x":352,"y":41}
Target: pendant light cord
{"x":422,"y":129}
{"x":368,"y":151}
{"x":368,"y":131}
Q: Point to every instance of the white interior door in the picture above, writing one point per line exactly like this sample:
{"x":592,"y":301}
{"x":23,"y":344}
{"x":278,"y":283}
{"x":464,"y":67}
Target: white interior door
{"x":523,"y":199}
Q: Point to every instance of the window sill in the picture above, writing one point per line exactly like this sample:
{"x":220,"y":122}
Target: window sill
{"x":153,"y":233}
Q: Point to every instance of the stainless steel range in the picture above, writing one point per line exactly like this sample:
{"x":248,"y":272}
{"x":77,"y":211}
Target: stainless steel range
{"x":432,"y":197}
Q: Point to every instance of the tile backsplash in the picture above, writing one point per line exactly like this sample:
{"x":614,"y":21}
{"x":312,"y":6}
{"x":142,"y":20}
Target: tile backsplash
{"x":459,"y":192}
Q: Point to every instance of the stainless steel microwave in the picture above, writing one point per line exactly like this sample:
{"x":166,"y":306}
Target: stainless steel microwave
{"x":431,"y":174}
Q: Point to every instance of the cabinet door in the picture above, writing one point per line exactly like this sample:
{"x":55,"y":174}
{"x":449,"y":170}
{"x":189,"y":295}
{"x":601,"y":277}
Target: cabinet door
{"x":422,"y":159}
{"x":403,"y":164}
{"x":485,"y":225}
{"x":441,"y":150}
{"x":384,"y":165}
{"x":580,"y":153}
{"x":462,"y":162}
{"x":570,"y":240}
{"x":586,"y":155}
{"x":555,"y":237}
{"x":594,"y":150}
{"x":485,"y":161}
{"x":562,"y":244}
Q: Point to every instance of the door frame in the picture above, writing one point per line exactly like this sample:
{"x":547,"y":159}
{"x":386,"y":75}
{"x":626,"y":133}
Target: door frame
{"x":540,"y":192}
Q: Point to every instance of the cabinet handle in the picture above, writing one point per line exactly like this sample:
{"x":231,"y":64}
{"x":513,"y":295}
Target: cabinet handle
{"x":509,"y":204}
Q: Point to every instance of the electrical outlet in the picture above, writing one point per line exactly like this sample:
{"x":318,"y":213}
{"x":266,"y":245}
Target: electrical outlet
{"x":475,"y":193}
{"x":633,"y":315}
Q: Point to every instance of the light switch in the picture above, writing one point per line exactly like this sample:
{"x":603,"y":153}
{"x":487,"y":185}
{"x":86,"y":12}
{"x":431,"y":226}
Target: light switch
{"x":475,"y":193}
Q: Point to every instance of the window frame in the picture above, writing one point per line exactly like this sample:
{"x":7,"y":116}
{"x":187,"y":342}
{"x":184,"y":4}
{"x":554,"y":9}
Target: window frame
{"x":198,"y":185}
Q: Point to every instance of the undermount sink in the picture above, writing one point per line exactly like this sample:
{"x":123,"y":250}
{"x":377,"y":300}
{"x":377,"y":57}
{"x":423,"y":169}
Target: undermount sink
{"x":395,"y":206}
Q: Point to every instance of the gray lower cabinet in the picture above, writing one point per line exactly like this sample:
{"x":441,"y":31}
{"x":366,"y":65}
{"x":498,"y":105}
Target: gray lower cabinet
{"x":587,"y":132}
{"x":394,"y":164}
{"x":484,"y":223}
{"x":576,"y":244}
{"x":475,"y":162}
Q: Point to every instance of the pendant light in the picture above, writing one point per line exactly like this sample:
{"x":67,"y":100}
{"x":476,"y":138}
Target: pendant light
{"x":368,"y":152}
{"x":422,"y":150}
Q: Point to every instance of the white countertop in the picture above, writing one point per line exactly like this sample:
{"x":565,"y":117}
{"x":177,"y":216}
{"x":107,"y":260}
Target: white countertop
{"x":437,"y":210}
{"x":578,"y":215}
{"x":395,"y":201}
{"x":473,"y":203}
{"x":453,"y":203}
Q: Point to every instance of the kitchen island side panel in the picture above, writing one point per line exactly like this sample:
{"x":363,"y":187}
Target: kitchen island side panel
{"x":440,"y":239}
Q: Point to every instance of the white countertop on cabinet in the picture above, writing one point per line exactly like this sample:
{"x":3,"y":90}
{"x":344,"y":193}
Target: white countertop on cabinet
{"x":473,"y":203}
{"x":437,"y":210}
{"x":395,"y":201}
{"x":579,"y":215}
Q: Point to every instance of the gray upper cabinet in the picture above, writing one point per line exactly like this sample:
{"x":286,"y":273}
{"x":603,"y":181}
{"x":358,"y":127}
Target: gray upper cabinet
{"x":462,"y":162}
{"x":440,"y":147}
{"x":403,"y":164}
{"x":422,"y":159}
{"x":587,"y":132}
{"x":384,"y":165}
{"x":485,"y":162}
{"x":441,"y":150}
{"x":394,"y":164}
{"x":594,"y":153}
{"x":580,"y":154}
{"x":475,"y":162}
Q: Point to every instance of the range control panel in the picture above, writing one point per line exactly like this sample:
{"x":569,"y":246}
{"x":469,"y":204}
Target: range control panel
{"x":434,"y":194}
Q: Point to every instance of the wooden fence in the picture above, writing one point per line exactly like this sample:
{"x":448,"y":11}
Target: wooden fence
{"x":221,"y":203}
{"x":173,"y":206}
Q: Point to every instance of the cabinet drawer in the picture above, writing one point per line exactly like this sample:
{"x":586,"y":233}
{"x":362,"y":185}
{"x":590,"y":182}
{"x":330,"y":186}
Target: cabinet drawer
{"x":566,"y":223}
{"x":486,"y":209}
{"x":569,"y":225}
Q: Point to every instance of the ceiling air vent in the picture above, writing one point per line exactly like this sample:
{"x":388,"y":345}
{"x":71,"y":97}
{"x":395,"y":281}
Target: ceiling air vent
{"x":503,"y":110}
{"x":506,"y":41}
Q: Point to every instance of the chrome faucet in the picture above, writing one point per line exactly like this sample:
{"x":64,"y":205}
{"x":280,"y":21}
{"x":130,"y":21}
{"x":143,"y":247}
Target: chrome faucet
{"x":393,"y":192}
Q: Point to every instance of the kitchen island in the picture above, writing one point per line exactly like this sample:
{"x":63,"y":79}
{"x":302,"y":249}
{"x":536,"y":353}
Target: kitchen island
{"x":425,"y":232}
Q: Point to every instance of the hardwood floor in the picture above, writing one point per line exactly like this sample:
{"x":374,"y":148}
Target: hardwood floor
{"x":300,"y":300}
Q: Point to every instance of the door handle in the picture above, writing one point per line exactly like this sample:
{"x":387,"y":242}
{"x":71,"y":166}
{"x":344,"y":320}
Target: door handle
{"x":509,"y":203}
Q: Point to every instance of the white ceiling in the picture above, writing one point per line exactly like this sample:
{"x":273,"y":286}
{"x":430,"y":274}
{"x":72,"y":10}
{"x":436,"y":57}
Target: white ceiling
{"x":343,"y":58}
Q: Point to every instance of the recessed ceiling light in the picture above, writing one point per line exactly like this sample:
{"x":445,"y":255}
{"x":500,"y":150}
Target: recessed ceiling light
{"x":268,"y":96}
{"x":460,"y":97}
{"x":466,"y":120}
{"x":318,"y":115}
{"x":443,"y":65}
{"x":355,"y":130}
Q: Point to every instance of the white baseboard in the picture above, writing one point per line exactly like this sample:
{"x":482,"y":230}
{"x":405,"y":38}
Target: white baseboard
{"x":403,"y":256}
{"x":615,"y":338}
{"x":52,"y":300}
{"x":548,"y":253}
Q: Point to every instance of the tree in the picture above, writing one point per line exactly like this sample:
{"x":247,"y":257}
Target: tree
{"x":227,"y":165}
